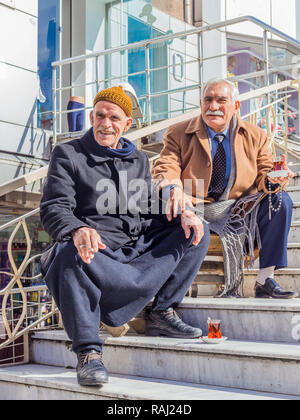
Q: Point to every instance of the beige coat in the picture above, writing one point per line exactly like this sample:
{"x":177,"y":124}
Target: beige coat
{"x":187,"y":156}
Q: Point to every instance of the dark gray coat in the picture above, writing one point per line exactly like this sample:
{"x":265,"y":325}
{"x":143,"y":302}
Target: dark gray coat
{"x":72,"y":196}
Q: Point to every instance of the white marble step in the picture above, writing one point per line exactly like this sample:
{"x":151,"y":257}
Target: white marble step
{"x":294,"y":234}
{"x":294,"y":192}
{"x":251,"y":365}
{"x":243,"y":319}
{"x":288,"y":278}
{"x":293,"y":253}
{"x":40,"y":382}
{"x":296,"y":211}
{"x":295,"y":180}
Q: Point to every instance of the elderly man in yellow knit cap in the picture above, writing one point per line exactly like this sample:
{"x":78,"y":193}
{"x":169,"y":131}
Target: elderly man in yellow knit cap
{"x":113,"y":250}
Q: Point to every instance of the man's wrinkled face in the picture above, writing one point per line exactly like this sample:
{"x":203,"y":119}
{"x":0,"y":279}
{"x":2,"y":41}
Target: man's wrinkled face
{"x":109,"y":122}
{"x":218,"y":107}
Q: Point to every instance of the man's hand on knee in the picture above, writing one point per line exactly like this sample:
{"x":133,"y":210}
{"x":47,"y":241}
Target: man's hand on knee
{"x":88,"y":242}
{"x":177,"y":203}
{"x":189,"y":221}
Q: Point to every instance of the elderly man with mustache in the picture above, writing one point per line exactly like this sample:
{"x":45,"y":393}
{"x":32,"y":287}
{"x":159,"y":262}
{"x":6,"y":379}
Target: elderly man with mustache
{"x":241,"y":202}
{"x":113,"y":251}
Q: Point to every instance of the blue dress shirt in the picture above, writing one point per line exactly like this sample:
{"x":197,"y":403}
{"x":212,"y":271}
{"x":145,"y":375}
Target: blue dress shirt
{"x":226,"y":145}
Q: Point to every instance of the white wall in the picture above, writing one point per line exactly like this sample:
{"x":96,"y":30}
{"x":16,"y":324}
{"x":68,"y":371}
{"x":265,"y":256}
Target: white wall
{"x":281,"y":14}
{"x":214,"y":42}
{"x":18,"y":76}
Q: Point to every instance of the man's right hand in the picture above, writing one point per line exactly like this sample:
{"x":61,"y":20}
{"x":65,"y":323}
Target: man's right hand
{"x":189,"y":220}
{"x":88,"y":242}
{"x":177,"y":203}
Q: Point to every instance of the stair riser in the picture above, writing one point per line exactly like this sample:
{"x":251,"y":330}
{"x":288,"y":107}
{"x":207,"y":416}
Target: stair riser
{"x":295,"y":181}
{"x":212,"y":369}
{"x":287,"y":281}
{"x":294,"y":235}
{"x":295,"y":195}
{"x":253,"y":373}
{"x":246,"y":325}
{"x":293,"y":256}
{"x":296,"y":213}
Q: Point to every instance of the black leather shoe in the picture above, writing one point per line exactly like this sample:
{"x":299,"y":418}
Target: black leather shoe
{"x":168,"y":324}
{"x":90,"y":369}
{"x":272,"y":290}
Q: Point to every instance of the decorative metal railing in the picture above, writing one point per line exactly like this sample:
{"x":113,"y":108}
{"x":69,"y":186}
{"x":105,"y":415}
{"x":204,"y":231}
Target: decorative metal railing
{"x":22,"y":307}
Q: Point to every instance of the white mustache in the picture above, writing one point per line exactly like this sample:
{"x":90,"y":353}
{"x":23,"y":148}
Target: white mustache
{"x":105,"y":131}
{"x":218,"y":113}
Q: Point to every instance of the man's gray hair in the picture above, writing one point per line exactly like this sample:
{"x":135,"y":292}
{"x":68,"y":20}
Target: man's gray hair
{"x":234,"y":90}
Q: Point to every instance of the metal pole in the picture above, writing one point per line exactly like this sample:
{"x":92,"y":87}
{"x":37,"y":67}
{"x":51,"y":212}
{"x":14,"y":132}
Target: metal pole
{"x":286,"y":127}
{"x":148,"y":84}
{"x":200,"y":61}
{"x":97,"y":72}
{"x":54,"y":94}
{"x":266,"y":61}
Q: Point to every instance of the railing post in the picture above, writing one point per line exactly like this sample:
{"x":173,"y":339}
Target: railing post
{"x":97,"y":73}
{"x":148,"y":83}
{"x":54,"y":95}
{"x":286,"y":127}
{"x":200,"y":62}
{"x":266,"y":61}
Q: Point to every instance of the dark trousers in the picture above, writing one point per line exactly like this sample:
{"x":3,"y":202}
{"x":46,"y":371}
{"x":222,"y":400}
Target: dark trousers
{"x":117,"y":285}
{"x":274,"y":232}
{"x":76,"y":118}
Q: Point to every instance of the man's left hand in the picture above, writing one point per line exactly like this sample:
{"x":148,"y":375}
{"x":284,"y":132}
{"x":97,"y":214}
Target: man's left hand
{"x":283,"y":181}
{"x":189,"y":221}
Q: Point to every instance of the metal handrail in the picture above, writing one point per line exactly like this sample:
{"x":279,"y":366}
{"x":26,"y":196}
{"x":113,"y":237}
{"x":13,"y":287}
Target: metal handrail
{"x":169,"y":37}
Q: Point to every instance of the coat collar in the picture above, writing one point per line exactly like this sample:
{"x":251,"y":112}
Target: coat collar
{"x":196,"y":127}
{"x":91,"y":147}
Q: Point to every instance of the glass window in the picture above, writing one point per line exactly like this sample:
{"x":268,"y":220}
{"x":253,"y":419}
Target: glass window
{"x":128,"y":22}
{"x":48,"y":51}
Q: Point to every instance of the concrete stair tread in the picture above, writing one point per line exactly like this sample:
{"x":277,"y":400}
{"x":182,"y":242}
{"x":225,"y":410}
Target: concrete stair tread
{"x":293,"y":245}
{"x":249,"y":304}
{"x":120,"y":387}
{"x":251,"y":271}
{"x":288,"y":270}
{"x":286,"y":351}
{"x":274,"y":350}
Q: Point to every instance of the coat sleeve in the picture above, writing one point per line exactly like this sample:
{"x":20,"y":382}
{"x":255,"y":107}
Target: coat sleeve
{"x":167,"y":169}
{"x":264,"y":163}
{"x":59,"y":196}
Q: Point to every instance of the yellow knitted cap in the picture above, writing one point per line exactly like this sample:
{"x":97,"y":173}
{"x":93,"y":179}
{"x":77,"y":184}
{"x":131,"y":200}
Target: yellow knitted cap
{"x":117,"y":96}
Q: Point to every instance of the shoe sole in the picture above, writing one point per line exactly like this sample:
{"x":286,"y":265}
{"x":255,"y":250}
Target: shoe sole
{"x":91,"y":382}
{"x":155,"y":332}
{"x":277,"y":297}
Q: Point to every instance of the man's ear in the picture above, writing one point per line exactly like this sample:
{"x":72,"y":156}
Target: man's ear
{"x":128,"y":124}
{"x":237,"y":106}
{"x":92,"y":117}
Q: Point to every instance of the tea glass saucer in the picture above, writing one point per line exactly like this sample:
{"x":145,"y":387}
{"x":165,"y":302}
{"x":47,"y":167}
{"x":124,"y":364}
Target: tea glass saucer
{"x":213,"y":340}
